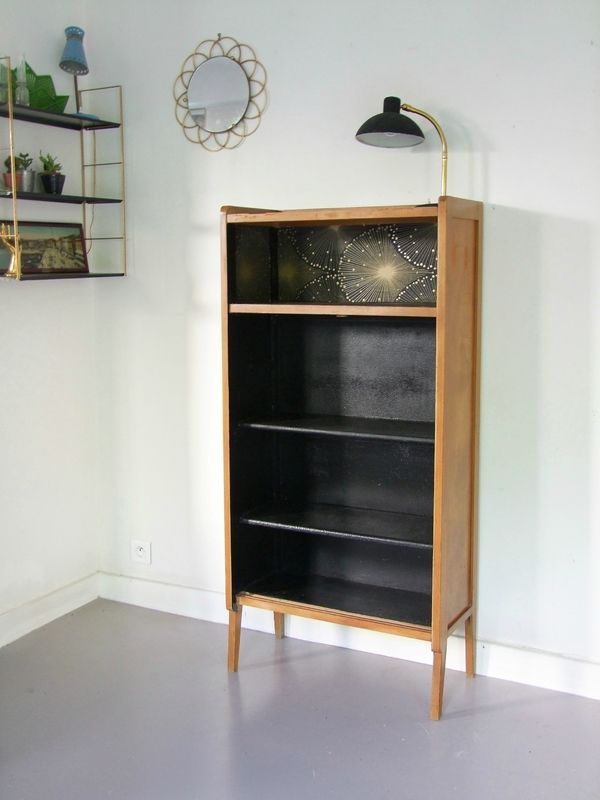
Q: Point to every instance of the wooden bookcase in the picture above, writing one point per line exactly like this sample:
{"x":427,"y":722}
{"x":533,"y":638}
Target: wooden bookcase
{"x":350,"y":361}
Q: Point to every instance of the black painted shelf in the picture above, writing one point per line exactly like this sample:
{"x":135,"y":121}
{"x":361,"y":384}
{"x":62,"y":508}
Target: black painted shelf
{"x":410,"y":530}
{"x":71,"y":121}
{"x":49,"y":276}
{"x":359,"y":427}
{"x":398,"y":605}
{"x":42,"y":197}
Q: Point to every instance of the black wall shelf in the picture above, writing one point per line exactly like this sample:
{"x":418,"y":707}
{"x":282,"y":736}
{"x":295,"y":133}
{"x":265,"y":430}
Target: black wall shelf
{"x":50,"y":276}
{"x":73,"y":122}
{"x":75,"y":199}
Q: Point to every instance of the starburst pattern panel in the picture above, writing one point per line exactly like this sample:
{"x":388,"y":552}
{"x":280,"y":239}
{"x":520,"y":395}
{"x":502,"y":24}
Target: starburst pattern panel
{"x":359,"y":264}
{"x":322,"y":247}
{"x":421,"y":292}
{"x":417,"y":243}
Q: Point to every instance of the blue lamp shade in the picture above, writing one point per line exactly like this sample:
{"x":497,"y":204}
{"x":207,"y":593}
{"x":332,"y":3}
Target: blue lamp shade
{"x":390,"y":128}
{"x":73,"y":58}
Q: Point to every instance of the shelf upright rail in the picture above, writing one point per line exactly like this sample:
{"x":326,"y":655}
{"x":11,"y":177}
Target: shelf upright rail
{"x":6,"y":237}
{"x":94,"y":164}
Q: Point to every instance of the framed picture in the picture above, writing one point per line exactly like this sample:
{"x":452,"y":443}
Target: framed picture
{"x":47,"y":247}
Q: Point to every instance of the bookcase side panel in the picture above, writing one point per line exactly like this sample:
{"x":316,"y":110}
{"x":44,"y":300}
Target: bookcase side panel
{"x":455,"y":413}
{"x":229,"y":599}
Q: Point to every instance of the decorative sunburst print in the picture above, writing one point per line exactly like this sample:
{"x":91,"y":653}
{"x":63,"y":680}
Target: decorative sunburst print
{"x":417,"y":243}
{"x":421,"y":292}
{"x":324,"y":288}
{"x":321,"y":247}
{"x":358,"y":264}
{"x":373,"y":271}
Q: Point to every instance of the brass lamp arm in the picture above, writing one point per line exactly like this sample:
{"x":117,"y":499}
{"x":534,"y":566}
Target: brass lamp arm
{"x":438,"y":127}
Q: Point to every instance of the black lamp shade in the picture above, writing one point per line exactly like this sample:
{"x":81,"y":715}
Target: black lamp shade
{"x":390,"y":128}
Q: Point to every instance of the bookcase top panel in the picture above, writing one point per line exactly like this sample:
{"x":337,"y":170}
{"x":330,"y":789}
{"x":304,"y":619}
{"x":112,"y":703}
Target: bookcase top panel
{"x":328,"y":216}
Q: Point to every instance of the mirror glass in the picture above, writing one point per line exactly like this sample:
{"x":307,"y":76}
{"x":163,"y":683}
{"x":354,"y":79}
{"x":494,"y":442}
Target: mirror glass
{"x":218,"y":94}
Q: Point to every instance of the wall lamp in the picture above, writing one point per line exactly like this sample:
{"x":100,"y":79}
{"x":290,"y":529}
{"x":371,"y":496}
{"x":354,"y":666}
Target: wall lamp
{"x":73,"y":58}
{"x":390,"y":128}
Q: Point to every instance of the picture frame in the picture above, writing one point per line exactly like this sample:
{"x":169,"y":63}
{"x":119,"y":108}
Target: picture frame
{"x":47,"y":248}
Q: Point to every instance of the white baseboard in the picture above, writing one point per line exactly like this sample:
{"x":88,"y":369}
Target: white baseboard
{"x":532,"y":667}
{"x":17,"y":622}
{"x":170,"y":598}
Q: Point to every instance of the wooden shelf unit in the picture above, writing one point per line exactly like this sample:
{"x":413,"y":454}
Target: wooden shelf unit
{"x":351,"y":427}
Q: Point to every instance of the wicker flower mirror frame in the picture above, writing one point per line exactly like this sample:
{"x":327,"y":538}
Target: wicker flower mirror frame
{"x":247,"y":120}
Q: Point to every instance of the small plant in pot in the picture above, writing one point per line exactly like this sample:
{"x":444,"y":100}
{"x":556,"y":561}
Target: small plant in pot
{"x":24,"y":177}
{"x":51,"y":176}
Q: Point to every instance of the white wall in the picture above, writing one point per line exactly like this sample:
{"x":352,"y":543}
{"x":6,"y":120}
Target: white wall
{"x":516,"y":89}
{"x":52,"y":498}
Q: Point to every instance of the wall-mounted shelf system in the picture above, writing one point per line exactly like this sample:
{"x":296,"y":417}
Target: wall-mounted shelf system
{"x":350,"y":403}
{"x":105,"y":249}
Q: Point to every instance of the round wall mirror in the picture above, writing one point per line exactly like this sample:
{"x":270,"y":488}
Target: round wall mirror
{"x":218,"y":94}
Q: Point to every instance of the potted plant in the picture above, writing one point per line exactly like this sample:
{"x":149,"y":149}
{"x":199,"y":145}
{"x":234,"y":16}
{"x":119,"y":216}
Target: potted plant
{"x":23,"y":177}
{"x":52,"y":178}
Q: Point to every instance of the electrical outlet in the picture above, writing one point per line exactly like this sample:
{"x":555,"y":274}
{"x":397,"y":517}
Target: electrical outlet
{"x":141,"y":552}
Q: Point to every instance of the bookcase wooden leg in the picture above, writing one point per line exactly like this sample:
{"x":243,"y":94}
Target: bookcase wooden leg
{"x":437,"y":683}
{"x":279,"y":626}
{"x":470,"y":647}
{"x":233,"y":646}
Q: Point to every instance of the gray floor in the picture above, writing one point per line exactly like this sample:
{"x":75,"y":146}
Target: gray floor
{"x":119,"y":702}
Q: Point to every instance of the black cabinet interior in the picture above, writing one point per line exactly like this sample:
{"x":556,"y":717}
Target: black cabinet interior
{"x":332,"y":461}
{"x":371,"y":367}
